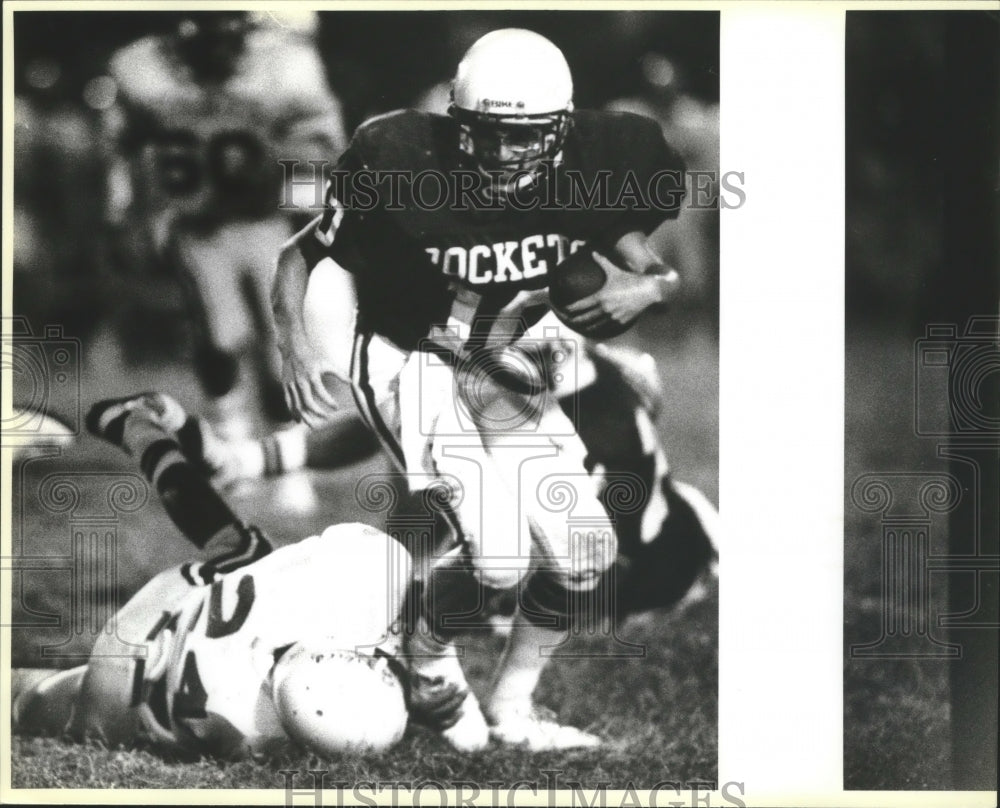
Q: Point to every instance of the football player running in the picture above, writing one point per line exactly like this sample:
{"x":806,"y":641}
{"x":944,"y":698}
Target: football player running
{"x":439,"y":367}
{"x":249,"y":653}
{"x":202,"y":117}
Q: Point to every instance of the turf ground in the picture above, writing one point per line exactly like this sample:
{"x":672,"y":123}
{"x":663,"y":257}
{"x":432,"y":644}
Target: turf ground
{"x":896,"y":716}
{"x":659,"y":710}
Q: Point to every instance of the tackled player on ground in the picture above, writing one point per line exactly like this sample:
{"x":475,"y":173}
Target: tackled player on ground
{"x":247,"y":652}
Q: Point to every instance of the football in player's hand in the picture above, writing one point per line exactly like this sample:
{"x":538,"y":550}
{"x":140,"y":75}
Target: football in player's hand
{"x":573,"y":279}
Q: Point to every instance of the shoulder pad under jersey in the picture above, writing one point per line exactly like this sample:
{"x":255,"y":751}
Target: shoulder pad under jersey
{"x":406,"y":140}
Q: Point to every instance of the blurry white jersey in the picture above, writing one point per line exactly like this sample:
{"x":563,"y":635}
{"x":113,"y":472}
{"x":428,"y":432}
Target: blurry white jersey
{"x":205,"y":686}
{"x":213,"y":148}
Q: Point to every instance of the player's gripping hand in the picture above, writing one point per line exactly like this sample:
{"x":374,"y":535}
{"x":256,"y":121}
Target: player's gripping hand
{"x":304,"y":374}
{"x":624,"y":296}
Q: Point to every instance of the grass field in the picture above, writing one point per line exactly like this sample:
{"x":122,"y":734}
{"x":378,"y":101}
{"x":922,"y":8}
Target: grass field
{"x":896,"y":718}
{"x":658,"y":711}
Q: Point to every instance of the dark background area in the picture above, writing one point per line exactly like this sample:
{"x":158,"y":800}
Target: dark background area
{"x":379,"y":61}
{"x":923,"y":128}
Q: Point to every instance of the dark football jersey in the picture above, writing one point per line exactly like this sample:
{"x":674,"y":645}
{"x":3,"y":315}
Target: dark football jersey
{"x":654,"y":569}
{"x":425,"y":253}
{"x":604,"y":414}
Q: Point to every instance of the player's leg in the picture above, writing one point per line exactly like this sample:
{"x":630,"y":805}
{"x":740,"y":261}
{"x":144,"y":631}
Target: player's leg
{"x":259,"y":242}
{"x":573,"y":543}
{"x":440,"y":696}
{"x":154,"y":428}
{"x":96,"y":700}
{"x":391,"y":394}
{"x":668,"y":550}
{"x":525,"y":441}
{"x":213,"y":283}
{"x":677,"y":566}
{"x":42,"y":699}
{"x":343,"y":440}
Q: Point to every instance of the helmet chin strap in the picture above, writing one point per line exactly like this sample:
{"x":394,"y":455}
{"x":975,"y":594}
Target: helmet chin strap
{"x":523,"y":179}
{"x":525,"y":176}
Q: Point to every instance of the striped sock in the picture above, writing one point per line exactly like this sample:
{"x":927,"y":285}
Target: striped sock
{"x":189,"y":499}
{"x":170,"y":448}
{"x":232,"y":547}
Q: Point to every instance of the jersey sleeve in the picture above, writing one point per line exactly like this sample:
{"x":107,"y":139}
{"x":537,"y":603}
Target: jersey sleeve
{"x":649,"y":189}
{"x":339,"y":231}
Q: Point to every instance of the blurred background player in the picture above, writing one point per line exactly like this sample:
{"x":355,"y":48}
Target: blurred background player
{"x":201,"y":119}
{"x":462,"y":286}
{"x":241,"y":653}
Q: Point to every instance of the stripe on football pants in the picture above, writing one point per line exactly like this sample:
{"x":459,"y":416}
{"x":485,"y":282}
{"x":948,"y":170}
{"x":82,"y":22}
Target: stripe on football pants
{"x":364,"y":398}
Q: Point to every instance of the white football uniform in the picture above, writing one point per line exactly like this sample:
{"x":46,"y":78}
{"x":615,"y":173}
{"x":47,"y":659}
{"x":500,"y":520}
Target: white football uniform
{"x":199,"y":679}
{"x":196,"y":175}
{"x":515,"y":490}
{"x":191,"y":139}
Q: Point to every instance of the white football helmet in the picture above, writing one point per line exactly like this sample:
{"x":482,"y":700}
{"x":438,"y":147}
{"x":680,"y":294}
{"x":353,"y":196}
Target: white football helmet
{"x":333,"y":701}
{"x":512,"y":95}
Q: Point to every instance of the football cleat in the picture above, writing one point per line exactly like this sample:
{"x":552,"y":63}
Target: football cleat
{"x":106,"y":419}
{"x":537,"y":729}
{"x":469,"y":733}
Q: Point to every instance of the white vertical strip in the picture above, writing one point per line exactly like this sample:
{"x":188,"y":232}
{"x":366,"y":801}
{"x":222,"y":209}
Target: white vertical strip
{"x":781,"y":400}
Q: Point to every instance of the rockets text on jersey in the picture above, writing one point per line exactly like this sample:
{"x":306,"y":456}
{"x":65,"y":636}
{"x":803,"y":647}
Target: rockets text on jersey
{"x":503,"y":261}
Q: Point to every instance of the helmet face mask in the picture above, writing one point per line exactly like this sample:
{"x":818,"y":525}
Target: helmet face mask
{"x":506,"y":148}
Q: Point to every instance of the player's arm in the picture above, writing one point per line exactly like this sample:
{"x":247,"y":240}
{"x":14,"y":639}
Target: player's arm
{"x":303,"y":366}
{"x":637,"y":279}
{"x":637,"y":276}
{"x":336,"y":239}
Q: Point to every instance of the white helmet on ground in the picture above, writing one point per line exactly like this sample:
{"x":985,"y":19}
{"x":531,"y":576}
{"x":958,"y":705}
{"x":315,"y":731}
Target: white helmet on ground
{"x":513,"y":95}
{"x":333,"y":701}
